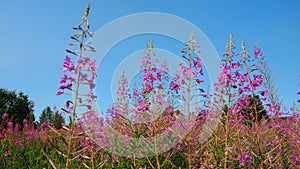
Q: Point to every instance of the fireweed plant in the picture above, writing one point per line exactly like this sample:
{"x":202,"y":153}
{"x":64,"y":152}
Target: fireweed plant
{"x":187,"y":84}
{"x":169,"y":115}
{"x":79,"y":72}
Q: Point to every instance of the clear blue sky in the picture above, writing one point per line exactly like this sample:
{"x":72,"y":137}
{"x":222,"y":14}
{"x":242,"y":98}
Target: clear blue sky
{"x":34,"y":36}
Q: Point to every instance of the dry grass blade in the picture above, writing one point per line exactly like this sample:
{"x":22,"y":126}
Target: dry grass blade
{"x":86,"y":166}
{"x":66,"y":128}
{"x":49,"y":159}
{"x":80,"y":151}
{"x":60,"y":153}
{"x":58,"y":133}
{"x":86,"y":157}
{"x":57,"y":149}
{"x":149,"y":162}
{"x":167,"y":158}
{"x":100,"y":165}
{"x":55,"y":131}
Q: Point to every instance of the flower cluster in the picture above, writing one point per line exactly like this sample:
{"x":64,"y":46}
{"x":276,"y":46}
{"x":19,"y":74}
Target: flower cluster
{"x":66,"y":81}
{"x":190,"y":72}
{"x":83,"y":71}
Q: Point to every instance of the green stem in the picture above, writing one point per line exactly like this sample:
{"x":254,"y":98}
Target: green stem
{"x":73,"y":116}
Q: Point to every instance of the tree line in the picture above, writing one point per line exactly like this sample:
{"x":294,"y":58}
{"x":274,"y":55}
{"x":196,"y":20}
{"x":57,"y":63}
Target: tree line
{"x":15,"y":107}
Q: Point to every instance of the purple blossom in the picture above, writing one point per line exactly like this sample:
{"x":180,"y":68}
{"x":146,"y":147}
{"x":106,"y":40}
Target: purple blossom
{"x":7,"y":153}
{"x":197,"y":63}
{"x":59,"y":93}
{"x":4,"y":116}
{"x":169,"y":109}
{"x":174,"y":86}
{"x":135,"y":93}
{"x":25,"y":121}
{"x":68,"y":66}
{"x":10,"y":124}
{"x":264,"y":92}
{"x":257,"y":51}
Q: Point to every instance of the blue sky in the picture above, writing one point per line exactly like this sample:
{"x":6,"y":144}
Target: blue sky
{"x":34,"y":36}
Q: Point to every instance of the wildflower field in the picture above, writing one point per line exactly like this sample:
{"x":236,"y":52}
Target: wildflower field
{"x":165,"y":120}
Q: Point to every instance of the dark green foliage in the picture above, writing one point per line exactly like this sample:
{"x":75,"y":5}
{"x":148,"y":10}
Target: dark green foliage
{"x":249,"y":111}
{"x":17,"y":106}
{"x":47,"y":115}
{"x":58,"y":120}
{"x":55,"y":119}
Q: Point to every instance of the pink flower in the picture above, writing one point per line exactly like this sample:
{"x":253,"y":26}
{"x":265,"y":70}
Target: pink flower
{"x":10,"y":124}
{"x":63,"y":86}
{"x":59,"y":93}
{"x":247,"y":88}
{"x":264,"y":92}
{"x":169,"y":109}
{"x":135,"y":93}
{"x":257,"y":51}
{"x":236,"y":65}
{"x":68,"y":66}
{"x":240,"y":91}
{"x":8,"y":153}
{"x":25,"y":121}
{"x":4,"y":116}
{"x":258,"y":78}
{"x":174,"y":86}
{"x":64,"y":79}
{"x":68,"y":59}
{"x":68,"y":102}
{"x":199,"y":81}
{"x":197,"y":63}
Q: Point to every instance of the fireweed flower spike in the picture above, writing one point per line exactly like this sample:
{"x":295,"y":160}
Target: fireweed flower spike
{"x":79,"y":70}
{"x":186,"y":85}
{"x":269,"y":94}
{"x":257,"y":50}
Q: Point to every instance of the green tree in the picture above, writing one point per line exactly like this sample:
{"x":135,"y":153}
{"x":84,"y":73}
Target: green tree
{"x":47,"y":115}
{"x":53,"y":118}
{"x":58,"y":120}
{"x":249,"y":111}
{"x":16,"y":105}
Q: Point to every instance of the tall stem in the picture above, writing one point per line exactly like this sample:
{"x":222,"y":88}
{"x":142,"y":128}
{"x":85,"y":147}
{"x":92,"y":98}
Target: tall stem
{"x":228,"y":105}
{"x":189,"y":158}
{"x":152,"y":104}
{"x":73,"y":116}
{"x":253,"y":95}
